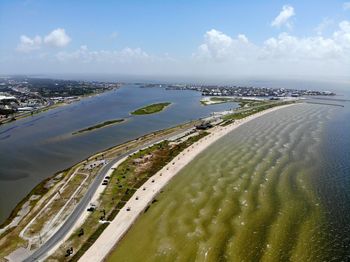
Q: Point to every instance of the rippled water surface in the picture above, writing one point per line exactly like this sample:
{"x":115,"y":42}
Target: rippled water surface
{"x":275,"y":189}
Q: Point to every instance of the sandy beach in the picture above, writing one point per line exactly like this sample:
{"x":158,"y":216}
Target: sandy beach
{"x":147,"y":192}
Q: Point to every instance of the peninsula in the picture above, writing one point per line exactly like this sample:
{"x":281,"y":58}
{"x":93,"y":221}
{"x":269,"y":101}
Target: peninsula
{"x":98,"y":190}
{"x":144,"y":196}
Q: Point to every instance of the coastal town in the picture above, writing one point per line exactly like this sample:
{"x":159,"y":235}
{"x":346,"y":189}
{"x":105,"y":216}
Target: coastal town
{"x":249,"y":91}
{"x":23,"y":96}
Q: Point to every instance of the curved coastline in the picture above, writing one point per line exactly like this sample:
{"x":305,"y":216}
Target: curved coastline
{"x":11,"y":224}
{"x":14,"y":213}
{"x":142,"y":198}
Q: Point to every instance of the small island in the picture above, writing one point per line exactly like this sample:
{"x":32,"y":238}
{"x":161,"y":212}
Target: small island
{"x":100,"y":125}
{"x":151,"y":109}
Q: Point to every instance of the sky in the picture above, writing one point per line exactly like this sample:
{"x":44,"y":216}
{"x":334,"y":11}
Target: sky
{"x":176,"y":38}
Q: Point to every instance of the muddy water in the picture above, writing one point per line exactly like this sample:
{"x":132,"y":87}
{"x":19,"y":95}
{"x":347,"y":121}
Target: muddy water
{"x":258,"y":194}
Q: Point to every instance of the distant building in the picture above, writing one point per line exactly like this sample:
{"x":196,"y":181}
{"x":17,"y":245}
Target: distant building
{"x":8,"y":104}
{"x":204,"y":126}
{"x":6,"y":100}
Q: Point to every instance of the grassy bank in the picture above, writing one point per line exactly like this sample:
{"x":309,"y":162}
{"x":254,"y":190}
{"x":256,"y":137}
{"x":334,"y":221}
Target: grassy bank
{"x":43,"y":192}
{"x":123,"y":183}
{"x":100,"y":125}
{"x":220,"y":100}
{"x":40,"y":189}
{"x":151,"y":109}
{"x":217,"y":100}
{"x":242,"y":113}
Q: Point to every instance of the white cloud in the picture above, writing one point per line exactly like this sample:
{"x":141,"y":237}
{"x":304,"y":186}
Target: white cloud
{"x":286,"y":52}
{"x":283,"y":17}
{"x":128,"y":53}
{"x":219,"y":53}
{"x":342,"y":36}
{"x":290,"y":48}
{"x":57,"y":38}
{"x":28,"y":44}
{"x":346,"y":6}
{"x":243,"y":38}
{"x":220,"y":47}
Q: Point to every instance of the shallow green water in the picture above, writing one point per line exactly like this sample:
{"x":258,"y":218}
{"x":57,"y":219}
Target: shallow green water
{"x":249,"y":197}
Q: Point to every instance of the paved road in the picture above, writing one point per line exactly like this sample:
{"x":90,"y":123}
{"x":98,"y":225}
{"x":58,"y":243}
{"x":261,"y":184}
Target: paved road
{"x":41,"y":253}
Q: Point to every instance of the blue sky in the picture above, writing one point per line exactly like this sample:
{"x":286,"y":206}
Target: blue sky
{"x":175,"y":37}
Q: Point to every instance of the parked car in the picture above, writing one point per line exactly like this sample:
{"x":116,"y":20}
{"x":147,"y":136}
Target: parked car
{"x":91,"y":209}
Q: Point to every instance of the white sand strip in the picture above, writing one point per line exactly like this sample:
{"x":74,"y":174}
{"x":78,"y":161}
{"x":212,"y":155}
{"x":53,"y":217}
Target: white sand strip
{"x":146,"y":193}
{"x":95,"y":200}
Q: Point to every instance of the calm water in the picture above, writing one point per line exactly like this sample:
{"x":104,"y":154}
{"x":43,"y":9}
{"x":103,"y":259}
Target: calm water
{"x":276,"y":189}
{"x":34,"y":148}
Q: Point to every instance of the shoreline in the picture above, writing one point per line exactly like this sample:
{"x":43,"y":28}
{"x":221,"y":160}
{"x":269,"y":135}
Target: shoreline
{"x":14,"y":212}
{"x":49,"y":247}
{"x":11,"y":228}
{"x":51,"y":107}
{"x":142,"y":198}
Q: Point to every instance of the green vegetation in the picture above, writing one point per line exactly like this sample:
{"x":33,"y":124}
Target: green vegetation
{"x":100,"y":125}
{"x":217,"y":100}
{"x":227,"y":122}
{"x":11,"y":244}
{"x":123,"y":183}
{"x":250,"y":103}
{"x":249,"y":107}
{"x":242,"y":102}
{"x":88,"y":243}
{"x":151,"y":109}
{"x":10,"y":240}
{"x":222,"y":99}
{"x":242,"y":113}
